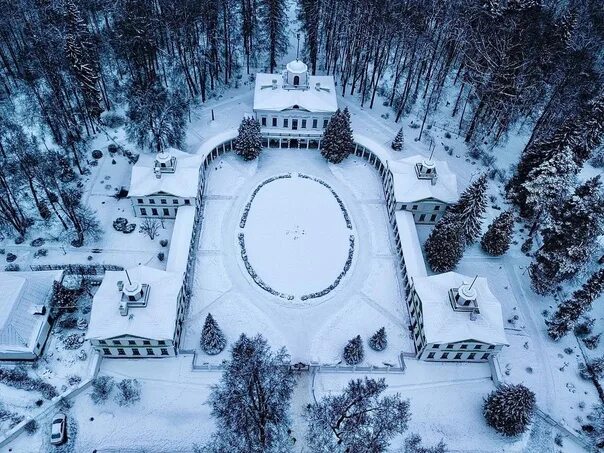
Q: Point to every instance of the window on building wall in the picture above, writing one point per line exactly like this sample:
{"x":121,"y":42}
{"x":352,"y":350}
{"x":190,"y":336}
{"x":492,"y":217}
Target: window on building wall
{"x":187,"y":202}
{"x":478,"y":346}
{"x":263,"y":120}
{"x":431,"y":355}
{"x":175,"y":201}
{"x":436,"y":346}
{"x":117,"y":342}
{"x":444,"y":355}
{"x":146,"y":342}
{"x":164,"y":201}
{"x":106,"y":351}
{"x":135,"y":351}
{"x":437,"y":207}
{"x":432,"y":217}
{"x":143,"y":211}
{"x":325,"y":122}
{"x":285,"y":122}
{"x":150,"y":351}
{"x":274,"y":122}
{"x":131,"y":342}
{"x":422,"y":217}
{"x":166,"y":211}
{"x":140,"y":201}
{"x":164,"y":351}
{"x":471,"y":356}
{"x":414,"y":207}
{"x":151,"y":201}
{"x":492,"y":347}
{"x":315,"y":123}
{"x":485,"y":356}
{"x":161,"y":342}
{"x":303,"y":124}
{"x":102,"y":342}
{"x":120,"y":351}
{"x":450,"y":346}
{"x":457,"y":356}
{"x":153,"y":211}
{"x":404,"y":207}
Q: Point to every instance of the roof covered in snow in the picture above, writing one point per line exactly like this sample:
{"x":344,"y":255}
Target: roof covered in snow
{"x":313,"y":99}
{"x":20,"y":293}
{"x":412,"y":250}
{"x":181,"y":239}
{"x":182,"y":183}
{"x":442,"y":324}
{"x":156,"y":321}
{"x":409,"y":188}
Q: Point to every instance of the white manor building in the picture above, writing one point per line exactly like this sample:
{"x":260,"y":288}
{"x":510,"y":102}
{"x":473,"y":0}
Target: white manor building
{"x":294,"y":107}
{"x":24,"y":312}
{"x":161,"y":183}
{"x":423,"y":187}
{"x":455,"y":318}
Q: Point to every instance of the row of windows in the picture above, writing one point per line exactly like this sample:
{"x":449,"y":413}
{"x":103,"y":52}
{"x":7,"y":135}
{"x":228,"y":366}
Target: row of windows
{"x":295,"y":123}
{"x":135,"y":351}
{"x":131,"y":342}
{"x":161,"y":200}
{"x":415,"y":207}
{"x":165,"y":211}
{"x":463,"y":346}
{"x":471,"y":356}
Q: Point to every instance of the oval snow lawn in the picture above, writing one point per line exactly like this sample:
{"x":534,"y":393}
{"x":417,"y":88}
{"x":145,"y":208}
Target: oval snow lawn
{"x":296,"y":236}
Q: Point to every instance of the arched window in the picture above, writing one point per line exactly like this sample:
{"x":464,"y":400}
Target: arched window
{"x":296,"y":80}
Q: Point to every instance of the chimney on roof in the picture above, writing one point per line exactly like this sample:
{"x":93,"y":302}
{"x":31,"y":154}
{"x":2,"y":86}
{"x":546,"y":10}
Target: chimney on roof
{"x":426,"y":169}
{"x":164,"y":163}
{"x":134,"y":294}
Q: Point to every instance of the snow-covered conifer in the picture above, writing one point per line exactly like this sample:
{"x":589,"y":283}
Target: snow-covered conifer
{"x":379,"y":340}
{"x":569,"y":311}
{"x":212,"y":339}
{"x":444,"y":246}
{"x":359,"y":419}
{"x":510,"y":409}
{"x":470,"y":208}
{"x":354,"y":351}
{"x":399,"y":141}
{"x":337,"y":142}
{"x":496,"y":241}
{"x":249,"y":141}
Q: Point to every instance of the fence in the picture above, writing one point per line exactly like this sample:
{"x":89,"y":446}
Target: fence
{"x":51,"y":407}
{"x":78,"y":269}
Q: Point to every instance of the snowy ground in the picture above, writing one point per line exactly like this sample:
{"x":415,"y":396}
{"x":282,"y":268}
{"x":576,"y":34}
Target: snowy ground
{"x":367,"y":298}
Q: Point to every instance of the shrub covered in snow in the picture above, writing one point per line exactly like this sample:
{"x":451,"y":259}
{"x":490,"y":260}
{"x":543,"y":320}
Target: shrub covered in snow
{"x":18,"y":378}
{"x":212,"y":339}
{"x":354,"y":351}
{"x":129,"y":392}
{"x":379,"y":340}
{"x":413,"y":444}
{"x":510,"y":409}
{"x":593,"y":369}
{"x":101,"y":389}
{"x":31,"y":427}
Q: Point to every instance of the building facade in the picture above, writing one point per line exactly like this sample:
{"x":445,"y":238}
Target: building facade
{"x":294,"y":107}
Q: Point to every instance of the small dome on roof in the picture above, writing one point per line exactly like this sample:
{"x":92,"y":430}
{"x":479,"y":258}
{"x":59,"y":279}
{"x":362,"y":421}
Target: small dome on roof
{"x":297,"y":67}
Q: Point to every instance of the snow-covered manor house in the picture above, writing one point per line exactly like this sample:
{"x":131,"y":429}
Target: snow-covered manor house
{"x":160,"y":183}
{"x":294,"y":107}
{"x":423,"y":187}
{"x":455,"y":318}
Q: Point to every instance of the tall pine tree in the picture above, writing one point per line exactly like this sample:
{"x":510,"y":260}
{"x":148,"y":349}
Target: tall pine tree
{"x":399,"y":141}
{"x":445,"y":244}
{"x":273,"y":22}
{"x":212,"y":339}
{"x":337,"y":142}
{"x":568,"y":313}
{"x":249,"y":141}
{"x":570,"y":237}
{"x":496,"y":241}
{"x":470,"y":208}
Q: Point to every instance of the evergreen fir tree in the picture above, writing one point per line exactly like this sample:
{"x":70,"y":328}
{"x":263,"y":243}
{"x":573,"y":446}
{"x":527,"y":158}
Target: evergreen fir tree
{"x":379,"y":340}
{"x":470,"y":208}
{"x":354,"y":352}
{"x":249,"y":141}
{"x":398,"y":142}
{"x":569,"y":238}
{"x":510,"y":409}
{"x":496,"y":241}
{"x":569,"y":311}
{"x":337,"y":142}
{"x":212,"y":339}
{"x":274,"y":25}
{"x":444,"y":246}
{"x":251,"y":402}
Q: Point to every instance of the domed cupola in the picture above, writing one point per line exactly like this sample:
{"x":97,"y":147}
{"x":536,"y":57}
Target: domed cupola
{"x":295,"y":76}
